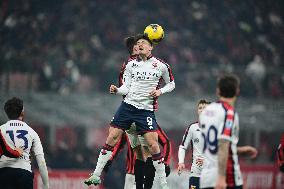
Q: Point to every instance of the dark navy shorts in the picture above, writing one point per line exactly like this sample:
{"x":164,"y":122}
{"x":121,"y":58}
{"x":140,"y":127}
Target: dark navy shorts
{"x":14,"y":178}
{"x":194,"y":182}
{"x":127,"y":114}
{"x":234,"y":187}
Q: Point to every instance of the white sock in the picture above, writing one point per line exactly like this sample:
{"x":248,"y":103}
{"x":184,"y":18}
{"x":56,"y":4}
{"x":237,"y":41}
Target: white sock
{"x":104,"y":156}
{"x":160,"y":171}
{"x":129,"y":181}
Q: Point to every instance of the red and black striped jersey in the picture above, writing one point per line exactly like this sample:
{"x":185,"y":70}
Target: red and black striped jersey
{"x":166,"y":144}
{"x":280,"y":154}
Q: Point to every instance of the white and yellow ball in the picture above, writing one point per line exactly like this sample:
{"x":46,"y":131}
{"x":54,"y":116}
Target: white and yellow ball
{"x":155,"y":33}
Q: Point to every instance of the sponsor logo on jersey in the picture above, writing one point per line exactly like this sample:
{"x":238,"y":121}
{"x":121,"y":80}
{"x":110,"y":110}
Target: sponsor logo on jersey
{"x":154,"y":64}
{"x":134,"y":65}
{"x":209,"y":113}
{"x":196,"y":140}
{"x":229,"y":123}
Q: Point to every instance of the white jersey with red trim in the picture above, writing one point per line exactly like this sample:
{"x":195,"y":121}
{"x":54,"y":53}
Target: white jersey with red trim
{"x":142,"y":77}
{"x":220,"y":121}
{"x":19,"y":134}
{"x":192,"y":137}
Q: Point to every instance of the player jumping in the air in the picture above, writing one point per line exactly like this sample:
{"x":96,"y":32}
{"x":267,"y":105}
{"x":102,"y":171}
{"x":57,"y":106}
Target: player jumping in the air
{"x":143,"y":165}
{"x":142,"y":77}
{"x":193,"y":138}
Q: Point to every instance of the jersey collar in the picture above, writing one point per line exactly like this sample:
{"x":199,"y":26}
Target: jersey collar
{"x":226,"y":104}
{"x":140,"y":59}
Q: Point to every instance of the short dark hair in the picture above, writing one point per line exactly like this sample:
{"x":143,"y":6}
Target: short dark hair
{"x":14,"y":107}
{"x":129,"y":43}
{"x":203,"y":101}
{"x":142,"y":36}
{"x":228,"y":85}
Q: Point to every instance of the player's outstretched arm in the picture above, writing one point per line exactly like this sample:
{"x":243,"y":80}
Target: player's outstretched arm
{"x":247,"y":151}
{"x":43,"y":170}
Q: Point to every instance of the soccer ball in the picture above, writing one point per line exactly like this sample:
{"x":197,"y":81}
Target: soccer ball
{"x":155,"y":33}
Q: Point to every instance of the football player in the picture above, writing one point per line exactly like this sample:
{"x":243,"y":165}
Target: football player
{"x":193,"y":138}
{"x":16,"y":172}
{"x":142,"y":79}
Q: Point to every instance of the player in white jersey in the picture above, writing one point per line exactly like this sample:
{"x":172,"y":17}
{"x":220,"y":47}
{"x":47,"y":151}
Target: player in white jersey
{"x":16,"y":172}
{"x":142,"y":79}
{"x":219,"y":124}
{"x":193,"y":138}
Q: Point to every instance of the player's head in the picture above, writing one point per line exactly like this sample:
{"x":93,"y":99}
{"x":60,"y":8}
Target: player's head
{"x":130,"y":43}
{"x":228,"y":86}
{"x":144,"y":44}
{"x":14,"y":108}
{"x":201,"y":105}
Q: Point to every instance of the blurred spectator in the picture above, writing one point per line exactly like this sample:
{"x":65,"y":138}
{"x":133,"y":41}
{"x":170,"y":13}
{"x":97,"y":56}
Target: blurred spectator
{"x":45,"y":77}
{"x":205,"y":37}
{"x":256,"y":71}
{"x":69,"y":77}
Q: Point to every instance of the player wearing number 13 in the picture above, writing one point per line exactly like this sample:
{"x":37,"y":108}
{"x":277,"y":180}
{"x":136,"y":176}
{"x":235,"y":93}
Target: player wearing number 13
{"x":16,"y":172}
{"x":220,"y":128}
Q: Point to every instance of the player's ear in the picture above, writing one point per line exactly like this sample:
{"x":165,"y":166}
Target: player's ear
{"x":238,"y":91}
{"x":218,"y":92}
{"x":22,"y":115}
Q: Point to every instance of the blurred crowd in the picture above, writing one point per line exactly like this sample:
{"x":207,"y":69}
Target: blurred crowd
{"x":66,"y":43}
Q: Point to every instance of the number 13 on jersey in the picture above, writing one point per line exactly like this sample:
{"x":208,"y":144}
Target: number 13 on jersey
{"x":20,"y":134}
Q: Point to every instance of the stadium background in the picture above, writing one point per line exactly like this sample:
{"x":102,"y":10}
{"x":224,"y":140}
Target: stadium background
{"x":61,"y":56}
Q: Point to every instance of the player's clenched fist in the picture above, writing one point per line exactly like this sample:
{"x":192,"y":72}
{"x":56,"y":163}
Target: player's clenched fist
{"x":155,"y":93}
{"x":113,"y":89}
{"x":181,"y":167}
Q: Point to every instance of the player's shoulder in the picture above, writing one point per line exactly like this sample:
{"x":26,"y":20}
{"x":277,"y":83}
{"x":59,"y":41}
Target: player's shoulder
{"x":131,"y":58}
{"x":131,"y":62}
{"x":214,"y":106}
{"x":160,"y":61}
{"x":31,"y":131}
{"x":193,"y":125}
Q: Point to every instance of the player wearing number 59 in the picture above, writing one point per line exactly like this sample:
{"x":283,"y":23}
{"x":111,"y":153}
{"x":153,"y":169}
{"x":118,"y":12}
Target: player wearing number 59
{"x":16,"y":172}
{"x":219,"y":123}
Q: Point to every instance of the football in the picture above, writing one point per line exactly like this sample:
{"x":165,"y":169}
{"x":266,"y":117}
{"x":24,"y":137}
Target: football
{"x":154,"y":32}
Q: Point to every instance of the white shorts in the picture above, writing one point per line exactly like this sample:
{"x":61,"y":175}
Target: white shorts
{"x":129,"y":182}
{"x":134,"y":139}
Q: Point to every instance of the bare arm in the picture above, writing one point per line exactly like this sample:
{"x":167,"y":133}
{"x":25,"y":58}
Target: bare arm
{"x":223,"y":153}
{"x":247,"y":151}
